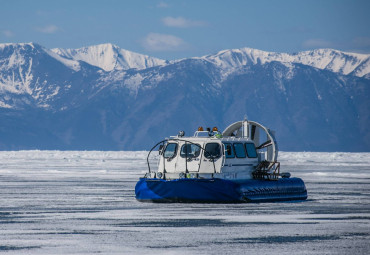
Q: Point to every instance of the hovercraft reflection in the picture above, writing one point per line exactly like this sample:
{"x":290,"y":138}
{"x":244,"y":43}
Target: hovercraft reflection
{"x":213,"y":167}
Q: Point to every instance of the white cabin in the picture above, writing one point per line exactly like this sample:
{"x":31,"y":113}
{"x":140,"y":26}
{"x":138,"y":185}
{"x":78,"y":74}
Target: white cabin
{"x":210,"y":154}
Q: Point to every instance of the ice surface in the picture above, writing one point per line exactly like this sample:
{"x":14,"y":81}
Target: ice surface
{"x":82,"y":202}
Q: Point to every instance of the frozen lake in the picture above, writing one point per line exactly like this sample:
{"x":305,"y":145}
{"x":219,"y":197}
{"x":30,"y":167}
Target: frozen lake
{"x":78,"y":202}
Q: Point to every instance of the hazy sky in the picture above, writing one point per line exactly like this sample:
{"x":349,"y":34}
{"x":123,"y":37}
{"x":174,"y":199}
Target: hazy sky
{"x":177,"y":29}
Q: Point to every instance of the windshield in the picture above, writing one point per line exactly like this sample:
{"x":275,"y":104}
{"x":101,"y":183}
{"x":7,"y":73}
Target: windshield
{"x":171,"y":150}
{"x":190,"y":150}
{"x":212,"y":150}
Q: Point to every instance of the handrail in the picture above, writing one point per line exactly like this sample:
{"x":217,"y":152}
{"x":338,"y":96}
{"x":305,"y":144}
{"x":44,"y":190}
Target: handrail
{"x":186,"y":157}
{"x":147,"y":158}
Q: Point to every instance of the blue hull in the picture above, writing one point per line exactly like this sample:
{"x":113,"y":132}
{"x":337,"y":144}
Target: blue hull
{"x":219,"y":190}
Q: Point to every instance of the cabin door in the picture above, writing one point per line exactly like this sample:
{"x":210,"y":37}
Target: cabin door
{"x":189,"y":158}
{"x":170,"y":157}
{"x":211,"y":160}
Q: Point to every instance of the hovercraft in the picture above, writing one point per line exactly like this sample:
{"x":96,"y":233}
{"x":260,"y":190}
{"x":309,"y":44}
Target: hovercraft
{"x":213,"y":167}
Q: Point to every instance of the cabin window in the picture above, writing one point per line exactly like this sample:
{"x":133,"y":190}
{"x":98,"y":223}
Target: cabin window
{"x":190,"y":150}
{"x":171,"y":150}
{"x":229,"y":151}
{"x":212,"y":150}
{"x":239,"y":150}
{"x":251,"y":150}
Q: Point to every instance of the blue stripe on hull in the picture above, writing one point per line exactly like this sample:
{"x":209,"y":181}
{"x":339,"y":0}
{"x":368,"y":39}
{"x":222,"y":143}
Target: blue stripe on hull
{"x":219,"y":190}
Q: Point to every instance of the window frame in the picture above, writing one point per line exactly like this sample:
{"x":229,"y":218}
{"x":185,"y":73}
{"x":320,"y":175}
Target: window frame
{"x":174,"y":153}
{"x":187,"y":144}
{"x":211,"y":157}
{"x":242,"y":145}
{"x":232,"y":150}
{"x":245,"y":145}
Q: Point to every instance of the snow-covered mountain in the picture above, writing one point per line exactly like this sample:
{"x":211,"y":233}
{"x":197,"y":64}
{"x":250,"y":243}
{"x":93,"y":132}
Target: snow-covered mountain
{"x":110,"y":57}
{"x":104,"y":97}
{"x":33,"y":76}
{"x":325,"y":59}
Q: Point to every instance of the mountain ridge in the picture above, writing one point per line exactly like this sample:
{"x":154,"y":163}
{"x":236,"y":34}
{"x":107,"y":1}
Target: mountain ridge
{"x":116,"y":58}
{"x":52,"y":101}
{"x":328,"y":59}
{"x":109,"y":57}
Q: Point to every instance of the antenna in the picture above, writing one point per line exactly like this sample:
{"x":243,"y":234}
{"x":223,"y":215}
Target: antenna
{"x":245,"y":117}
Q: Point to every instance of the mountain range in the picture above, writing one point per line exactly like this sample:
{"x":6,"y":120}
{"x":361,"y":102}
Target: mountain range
{"x":103,"y":97}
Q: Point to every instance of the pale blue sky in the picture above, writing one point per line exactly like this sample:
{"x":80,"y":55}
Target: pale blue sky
{"x":177,"y":29}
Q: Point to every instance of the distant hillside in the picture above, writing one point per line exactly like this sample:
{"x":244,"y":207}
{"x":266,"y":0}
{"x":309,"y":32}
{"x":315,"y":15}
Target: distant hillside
{"x":106,"y":98}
